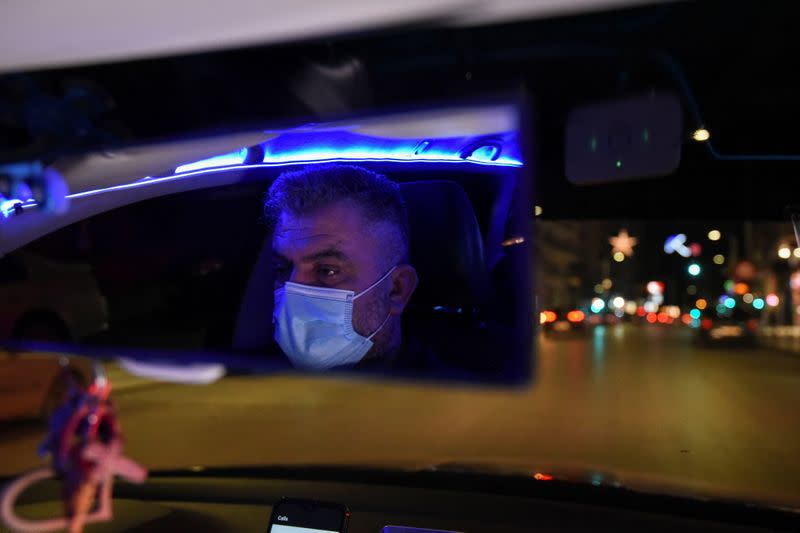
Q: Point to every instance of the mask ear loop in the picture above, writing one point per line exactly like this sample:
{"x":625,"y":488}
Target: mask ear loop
{"x":385,"y":320}
{"x":374,"y":284}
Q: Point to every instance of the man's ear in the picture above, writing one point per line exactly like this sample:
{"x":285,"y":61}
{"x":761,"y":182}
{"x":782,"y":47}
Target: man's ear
{"x":404,"y":281}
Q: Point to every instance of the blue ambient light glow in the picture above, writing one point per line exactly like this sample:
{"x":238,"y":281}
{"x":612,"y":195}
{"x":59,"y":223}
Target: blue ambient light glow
{"x":7,"y":207}
{"x":339,"y":146}
{"x":224,"y":160}
{"x":348,"y":146}
{"x":298,"y":148}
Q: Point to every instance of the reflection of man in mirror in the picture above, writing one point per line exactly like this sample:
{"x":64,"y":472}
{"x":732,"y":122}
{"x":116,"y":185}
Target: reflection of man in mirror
{"x":340,"y":249}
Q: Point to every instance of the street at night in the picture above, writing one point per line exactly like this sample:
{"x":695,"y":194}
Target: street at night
{"x":634,"y":398}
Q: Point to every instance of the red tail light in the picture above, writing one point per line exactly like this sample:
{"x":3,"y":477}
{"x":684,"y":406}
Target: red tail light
{"x":547,"y":316}
{"x":652,"y":318}
{"x":575,"y":316}
{"x":752,"y":324}
{"x":707,"y":324}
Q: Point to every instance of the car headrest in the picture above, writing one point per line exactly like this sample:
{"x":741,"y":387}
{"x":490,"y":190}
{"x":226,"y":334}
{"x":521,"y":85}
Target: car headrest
{"x":446,"y":248}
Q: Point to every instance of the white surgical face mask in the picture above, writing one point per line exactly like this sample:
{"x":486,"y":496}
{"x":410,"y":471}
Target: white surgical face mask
{"x":314,"y":325}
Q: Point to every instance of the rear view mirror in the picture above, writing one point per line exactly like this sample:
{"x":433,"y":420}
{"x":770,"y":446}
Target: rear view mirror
{"x":188,"y":275}
{"x":623,"y":139}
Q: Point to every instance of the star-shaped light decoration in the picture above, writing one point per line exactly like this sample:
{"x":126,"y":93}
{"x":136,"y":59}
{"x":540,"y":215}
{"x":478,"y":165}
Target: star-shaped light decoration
{"x":623,"y":243}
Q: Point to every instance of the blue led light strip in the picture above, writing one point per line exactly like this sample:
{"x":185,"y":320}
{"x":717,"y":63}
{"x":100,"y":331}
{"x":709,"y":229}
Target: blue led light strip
{"x":234,"y":162}
{"x":7,"y":207}
{"x":137,"y":184}
{"x":359,"y":151}
{"x":233,"y":158}
{"x":366,"y":153}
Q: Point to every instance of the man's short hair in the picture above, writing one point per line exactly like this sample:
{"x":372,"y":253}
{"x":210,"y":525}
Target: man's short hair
{"x":300,"y":192}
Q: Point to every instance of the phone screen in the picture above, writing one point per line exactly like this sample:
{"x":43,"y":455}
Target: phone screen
{"x":279,"y":528}
{"x":300,"y":516}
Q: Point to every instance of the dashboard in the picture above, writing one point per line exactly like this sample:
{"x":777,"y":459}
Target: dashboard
{"x":222,"y":501}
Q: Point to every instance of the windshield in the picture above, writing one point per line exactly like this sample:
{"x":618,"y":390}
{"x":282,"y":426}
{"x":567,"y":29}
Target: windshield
{"x":664,"y":368}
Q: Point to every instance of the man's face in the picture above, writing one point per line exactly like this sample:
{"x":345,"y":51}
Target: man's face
{"x":336,"y":247}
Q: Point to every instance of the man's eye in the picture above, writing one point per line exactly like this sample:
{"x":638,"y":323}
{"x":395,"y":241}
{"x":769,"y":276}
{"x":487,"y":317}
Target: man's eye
{"x":327,"y":272}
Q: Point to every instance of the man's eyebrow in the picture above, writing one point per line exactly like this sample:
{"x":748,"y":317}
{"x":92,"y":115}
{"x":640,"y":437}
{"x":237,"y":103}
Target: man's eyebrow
{"x":327,"y":253}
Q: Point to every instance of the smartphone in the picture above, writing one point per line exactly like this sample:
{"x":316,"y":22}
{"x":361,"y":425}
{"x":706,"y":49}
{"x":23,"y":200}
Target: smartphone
{"x":306,"y":516}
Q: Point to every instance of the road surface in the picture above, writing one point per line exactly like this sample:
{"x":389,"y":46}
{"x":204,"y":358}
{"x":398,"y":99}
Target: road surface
{"x":642,"y":403}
